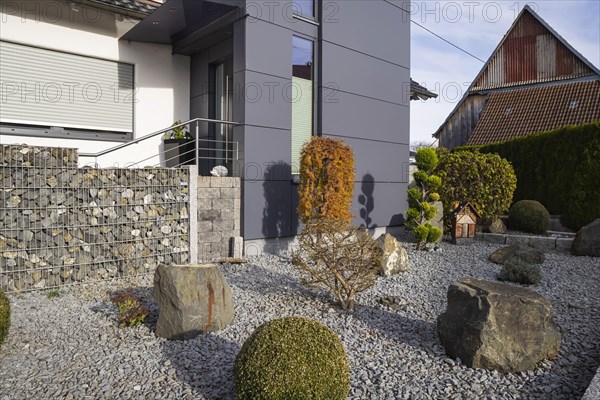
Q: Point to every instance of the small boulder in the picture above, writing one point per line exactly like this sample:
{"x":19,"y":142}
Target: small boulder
{"x":192,"y":299}
{"x":587,"y":240}
{"x":394,"y":257}
{"x":498,"y":326}
{"x":494,"y":226}
{"x":525,"y":253}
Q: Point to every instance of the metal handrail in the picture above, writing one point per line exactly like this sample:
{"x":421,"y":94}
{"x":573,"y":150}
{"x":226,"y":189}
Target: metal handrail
{"x":163,"y":131}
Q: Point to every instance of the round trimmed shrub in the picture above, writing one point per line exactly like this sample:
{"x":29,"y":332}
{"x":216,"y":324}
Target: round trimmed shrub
{"x":529,"y":216}
{"x":292,"y":358}
{"x":4,"y":316}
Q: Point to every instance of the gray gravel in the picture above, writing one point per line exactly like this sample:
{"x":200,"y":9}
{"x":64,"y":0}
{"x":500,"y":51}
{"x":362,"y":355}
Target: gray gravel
{"x":70,"y":347}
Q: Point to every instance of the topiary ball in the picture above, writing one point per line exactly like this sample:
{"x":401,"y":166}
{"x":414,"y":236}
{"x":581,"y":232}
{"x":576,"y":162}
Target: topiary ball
{"x":4,"y":316}
{"x":529,"y":216}
{"x":292,"y":358}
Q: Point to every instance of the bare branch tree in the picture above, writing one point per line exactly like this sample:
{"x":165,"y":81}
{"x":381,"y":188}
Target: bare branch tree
{"x":339,"y":257}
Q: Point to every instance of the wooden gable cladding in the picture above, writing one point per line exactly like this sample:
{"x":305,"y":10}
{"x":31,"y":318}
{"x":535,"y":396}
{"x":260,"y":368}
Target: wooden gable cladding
{"x":530,"y":53}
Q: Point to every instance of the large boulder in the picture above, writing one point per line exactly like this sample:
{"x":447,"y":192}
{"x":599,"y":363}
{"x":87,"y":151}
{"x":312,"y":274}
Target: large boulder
{"x":527,"y":254}
{"x":394,"y":258}
{"x":498,"y":326}
{"x":192,"y":299}
{"x":587,"y":240}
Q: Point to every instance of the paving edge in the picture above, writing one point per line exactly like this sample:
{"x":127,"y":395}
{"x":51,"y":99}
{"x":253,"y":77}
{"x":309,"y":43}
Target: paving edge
{"x":593,"y":391}
{"x":544,"y":243}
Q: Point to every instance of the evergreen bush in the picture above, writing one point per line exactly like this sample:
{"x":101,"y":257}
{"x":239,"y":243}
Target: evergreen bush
{"x":487,"y":181}
{"x":293,"y":358}
{"x":420,"y":210}
{"x":518,"y":271}
{"x":529,"y":216}
{"x":559,"y":168}
{"x":326,"y":180}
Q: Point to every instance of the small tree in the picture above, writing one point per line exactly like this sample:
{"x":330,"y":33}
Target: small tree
{"x":337,"y":256}
{"x":421,"y":211}
{"x":326,"y":180}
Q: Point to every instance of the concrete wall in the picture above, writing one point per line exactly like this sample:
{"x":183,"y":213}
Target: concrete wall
{"x":365,"y":72}
{"x":163,"y":94}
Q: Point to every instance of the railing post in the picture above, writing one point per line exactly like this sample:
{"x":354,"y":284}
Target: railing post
{"x":197,"y":145}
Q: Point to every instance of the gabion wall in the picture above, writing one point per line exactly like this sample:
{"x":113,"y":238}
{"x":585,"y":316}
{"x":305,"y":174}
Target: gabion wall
{"x":60,"y":224}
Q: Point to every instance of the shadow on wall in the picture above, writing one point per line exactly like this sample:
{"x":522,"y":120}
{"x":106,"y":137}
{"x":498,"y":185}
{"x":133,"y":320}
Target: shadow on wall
{"x":367,"y":201}
{"x":280,"y":219}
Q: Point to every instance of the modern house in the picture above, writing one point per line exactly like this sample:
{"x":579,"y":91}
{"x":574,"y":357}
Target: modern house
{"x":92,"y":74}
{"x":534,"y":81}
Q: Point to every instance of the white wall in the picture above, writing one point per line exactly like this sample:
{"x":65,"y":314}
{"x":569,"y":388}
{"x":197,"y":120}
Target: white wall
{"x":163,"y":94}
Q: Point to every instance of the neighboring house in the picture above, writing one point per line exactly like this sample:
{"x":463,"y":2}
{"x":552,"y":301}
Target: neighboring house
{"x":418,"y":92}
{"x":92,"y":73}
{"x":534,"y":81}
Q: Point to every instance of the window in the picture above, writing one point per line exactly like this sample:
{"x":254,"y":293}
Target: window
{"x":46,"y":88}
{"x":304,"y":8}
{"x":302,"y":97}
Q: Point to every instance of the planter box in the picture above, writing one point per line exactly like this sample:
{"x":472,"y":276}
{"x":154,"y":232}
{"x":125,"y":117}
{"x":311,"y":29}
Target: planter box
{"x":179,"y":152}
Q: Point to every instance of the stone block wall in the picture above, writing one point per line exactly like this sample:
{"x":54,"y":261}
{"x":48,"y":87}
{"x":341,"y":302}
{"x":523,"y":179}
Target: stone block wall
{"x":219,"y":219}
{"x":60,"y":224}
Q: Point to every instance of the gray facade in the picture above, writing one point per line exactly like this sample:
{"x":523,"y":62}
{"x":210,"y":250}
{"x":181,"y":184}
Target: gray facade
{"x":361,"y":95}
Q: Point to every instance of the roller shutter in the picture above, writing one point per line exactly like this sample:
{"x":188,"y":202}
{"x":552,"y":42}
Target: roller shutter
{"x":40,"y":87}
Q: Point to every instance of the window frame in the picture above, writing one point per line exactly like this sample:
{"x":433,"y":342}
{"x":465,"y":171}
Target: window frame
{"x":315,"y":87}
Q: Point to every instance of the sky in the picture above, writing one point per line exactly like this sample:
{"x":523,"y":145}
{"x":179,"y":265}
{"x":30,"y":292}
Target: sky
{"x":478,"y":27}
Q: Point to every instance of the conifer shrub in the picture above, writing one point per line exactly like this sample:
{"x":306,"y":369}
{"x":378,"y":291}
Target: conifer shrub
{"x":4,"y":316}
{"x":487,"y":181}
{"x":558,"y":168}
{"x":293,"y":358}
{"x":326,"y":180}
{"x":518,"y":271}
{"x":529,"y":216}
{"x":420,"y":210}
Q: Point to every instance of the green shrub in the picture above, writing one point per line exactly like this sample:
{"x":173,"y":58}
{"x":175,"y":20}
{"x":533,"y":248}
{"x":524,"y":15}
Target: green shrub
{"x":583,"y":205}
{"x":487,"y":181}
{"x":420,"y":210}
{"x":326,"y":180}
{"x":519,"y":271}
{"x":4,"y":316}
{"x":529,"y":216}
{"x":131,"y":311}
{"x":559,"y":168}
{"x":292,"y":358}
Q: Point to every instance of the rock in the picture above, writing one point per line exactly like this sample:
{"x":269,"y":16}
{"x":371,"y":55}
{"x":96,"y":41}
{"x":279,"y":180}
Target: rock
{"x":498,"y":326}
{"x":525,"y":253}
{"x":494,"y":226}
{"x":192,"y":299}
{"x":587,"y":240}
{"x":395,"y":258}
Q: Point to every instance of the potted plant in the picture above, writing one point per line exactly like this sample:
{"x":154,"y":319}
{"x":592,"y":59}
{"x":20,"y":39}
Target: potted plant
{"x":179,"y":146}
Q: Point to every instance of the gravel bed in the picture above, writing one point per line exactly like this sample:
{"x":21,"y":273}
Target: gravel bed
{"x":71,"y":348}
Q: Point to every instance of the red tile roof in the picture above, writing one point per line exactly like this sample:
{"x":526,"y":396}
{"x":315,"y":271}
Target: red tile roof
{"x":513,"y":113}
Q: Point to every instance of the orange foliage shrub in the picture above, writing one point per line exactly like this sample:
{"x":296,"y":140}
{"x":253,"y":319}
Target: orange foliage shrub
{"x":326,"y":180}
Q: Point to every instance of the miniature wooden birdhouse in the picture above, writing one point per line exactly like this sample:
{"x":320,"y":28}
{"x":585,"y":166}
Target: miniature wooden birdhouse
{"x":464,"y":220}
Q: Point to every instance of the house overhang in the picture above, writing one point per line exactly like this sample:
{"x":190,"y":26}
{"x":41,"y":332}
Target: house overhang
{"x":189,"y":26}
